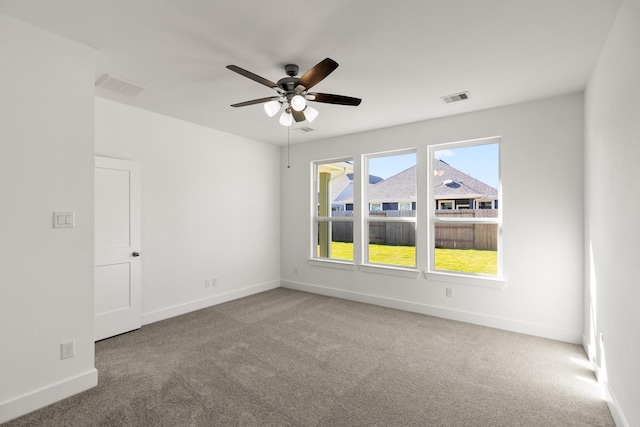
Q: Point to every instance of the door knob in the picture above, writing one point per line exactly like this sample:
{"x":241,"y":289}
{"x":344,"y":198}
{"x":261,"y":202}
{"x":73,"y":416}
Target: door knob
{"x":136,"y":254}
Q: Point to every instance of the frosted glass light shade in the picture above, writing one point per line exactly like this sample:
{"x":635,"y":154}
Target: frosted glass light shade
{"x":298,"y":102}
{"x":272,"y":108}
{"x":286,"y":119}
{"x":310,"y":113}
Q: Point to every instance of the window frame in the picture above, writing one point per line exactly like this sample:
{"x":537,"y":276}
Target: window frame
{"x":317,"y":219}
{"x":424,"y":228}
{"x":486,"y":280}
{"x":367,"y":219}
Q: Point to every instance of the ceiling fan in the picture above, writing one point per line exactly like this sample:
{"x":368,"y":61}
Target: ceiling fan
{"x":293,"y":92}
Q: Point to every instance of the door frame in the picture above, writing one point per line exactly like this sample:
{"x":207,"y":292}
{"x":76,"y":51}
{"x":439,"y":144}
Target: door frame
{"x":123,"y":320}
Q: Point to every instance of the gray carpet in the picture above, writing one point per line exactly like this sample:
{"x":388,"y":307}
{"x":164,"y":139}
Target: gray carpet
{"x":289,"y":358}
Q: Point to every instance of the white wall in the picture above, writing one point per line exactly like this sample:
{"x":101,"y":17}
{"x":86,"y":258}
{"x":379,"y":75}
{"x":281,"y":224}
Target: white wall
{"x":46,"y":165}
{"x":210,"y":207}
{"x":612,"y":228}
{"x":542,"y":172}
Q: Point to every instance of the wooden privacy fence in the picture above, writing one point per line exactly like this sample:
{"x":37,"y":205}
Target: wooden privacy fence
{"x":447,"y":235}
{"x":467,"y":236}
{"x":392,"y":233}
{"x":342,"y":231}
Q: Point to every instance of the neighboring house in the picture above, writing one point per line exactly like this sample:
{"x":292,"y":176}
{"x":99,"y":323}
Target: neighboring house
{"x":342,"y":188}
{"x":453,"y":189}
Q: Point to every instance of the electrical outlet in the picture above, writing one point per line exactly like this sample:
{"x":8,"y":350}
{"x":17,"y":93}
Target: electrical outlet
{"x":295,"y":271}
{"x":67,"y":350}
{"x":450,"y":292}
{"x":207,"y":283}
{"x":214,"y":281}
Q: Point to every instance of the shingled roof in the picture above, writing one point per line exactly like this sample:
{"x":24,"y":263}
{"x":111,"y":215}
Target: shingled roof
{"x":449,"y":183}
{"x":343,"y":187}
{"x":397,"y":188}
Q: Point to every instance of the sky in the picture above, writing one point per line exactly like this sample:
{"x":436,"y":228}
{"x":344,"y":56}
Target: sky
{"x":479,"y":161}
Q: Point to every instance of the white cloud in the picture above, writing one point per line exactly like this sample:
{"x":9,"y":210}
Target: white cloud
{"x":444,"y":153}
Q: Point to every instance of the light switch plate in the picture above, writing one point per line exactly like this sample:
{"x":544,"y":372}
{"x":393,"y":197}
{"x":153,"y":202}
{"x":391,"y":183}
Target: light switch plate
{"x":64,"y":219}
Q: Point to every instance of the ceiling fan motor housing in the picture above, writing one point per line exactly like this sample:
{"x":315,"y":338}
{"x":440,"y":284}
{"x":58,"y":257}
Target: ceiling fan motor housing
{"x":288,"y":84}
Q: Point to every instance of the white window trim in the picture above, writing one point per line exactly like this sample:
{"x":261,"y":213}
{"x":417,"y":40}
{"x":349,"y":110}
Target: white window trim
{"x":497,"y":281}
{"x":390,"y":270}
{"x":315,"y":219}
{"x":422,"y":221}
{"x":466,"y":279}
{"x":332,"y":263}
{"x":365,"y":265}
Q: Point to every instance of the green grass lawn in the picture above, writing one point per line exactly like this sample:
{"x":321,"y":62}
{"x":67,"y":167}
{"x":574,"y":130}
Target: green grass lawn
{"x":464,"y":260}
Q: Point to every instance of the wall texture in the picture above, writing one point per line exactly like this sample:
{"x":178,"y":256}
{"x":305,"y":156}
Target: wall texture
{"x":612,"y":229}
{"x":210,"y":208}
{"x":542,"y":174}
{"x":46,"y":165}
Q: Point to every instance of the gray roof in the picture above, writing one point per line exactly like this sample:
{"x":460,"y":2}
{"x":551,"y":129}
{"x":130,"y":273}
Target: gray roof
{"x":342,"y":187}
{"x":397,"y":188}
{"x":449,"y":183}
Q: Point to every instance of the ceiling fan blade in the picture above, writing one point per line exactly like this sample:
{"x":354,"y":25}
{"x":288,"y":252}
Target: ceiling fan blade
{"x":252,"y":76}
{"x":333,"y":99}
{"x":298,"y":116}
{"x":256,"y":101}
{"x":317,"y":73}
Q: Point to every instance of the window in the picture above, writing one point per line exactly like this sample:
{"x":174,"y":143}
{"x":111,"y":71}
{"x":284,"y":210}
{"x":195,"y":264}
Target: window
{"x":445,"y":204}
{"x":333,"y":218}
{"x":376,"y":227}
{"x":390,"y":224}
{"x":463,"y":240}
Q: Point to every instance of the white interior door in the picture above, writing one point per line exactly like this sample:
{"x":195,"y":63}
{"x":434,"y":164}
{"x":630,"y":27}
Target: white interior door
{"x":117,"y":240}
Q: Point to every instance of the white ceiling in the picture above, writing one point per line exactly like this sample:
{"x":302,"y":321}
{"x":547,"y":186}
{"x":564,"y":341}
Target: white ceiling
{"x":398,"y":56}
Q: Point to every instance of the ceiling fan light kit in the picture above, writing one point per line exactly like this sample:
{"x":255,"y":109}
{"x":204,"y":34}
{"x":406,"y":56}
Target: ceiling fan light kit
{"x":311,"y":113}
{"x":286,"y":119}
{"x":294,"y":92}
{"x":272,"y":108}
{"x":298,"y":102}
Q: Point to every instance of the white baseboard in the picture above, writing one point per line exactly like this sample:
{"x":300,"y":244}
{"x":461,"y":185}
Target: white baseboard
{"x":616,"y":413}
{"x":44,"y":396}
{"x":540,"y":330}
{"x":177,"y":310}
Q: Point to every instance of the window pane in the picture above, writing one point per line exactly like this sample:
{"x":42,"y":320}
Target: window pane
{"x":465,"y":186}
{"x":467,"y":248}
{"x":392,"y":243}
{"x":466,"y":177}
{"x":392,"y":182}
{"x":335,"y":239}
{"x":334,"y":198}
{"x":334,"y":187}
{"x":391,"y":192}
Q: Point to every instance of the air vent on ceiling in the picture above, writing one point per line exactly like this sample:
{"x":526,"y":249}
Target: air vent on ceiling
{"x":461,"y":96}
{"x":305,"y":129}
{"x":117,"y":84}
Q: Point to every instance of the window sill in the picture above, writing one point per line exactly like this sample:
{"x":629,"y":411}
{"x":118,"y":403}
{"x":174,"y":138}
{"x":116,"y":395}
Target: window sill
{"x":332,"y":263}
{"x":486,"y":282}
{"x":390,"y":270}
